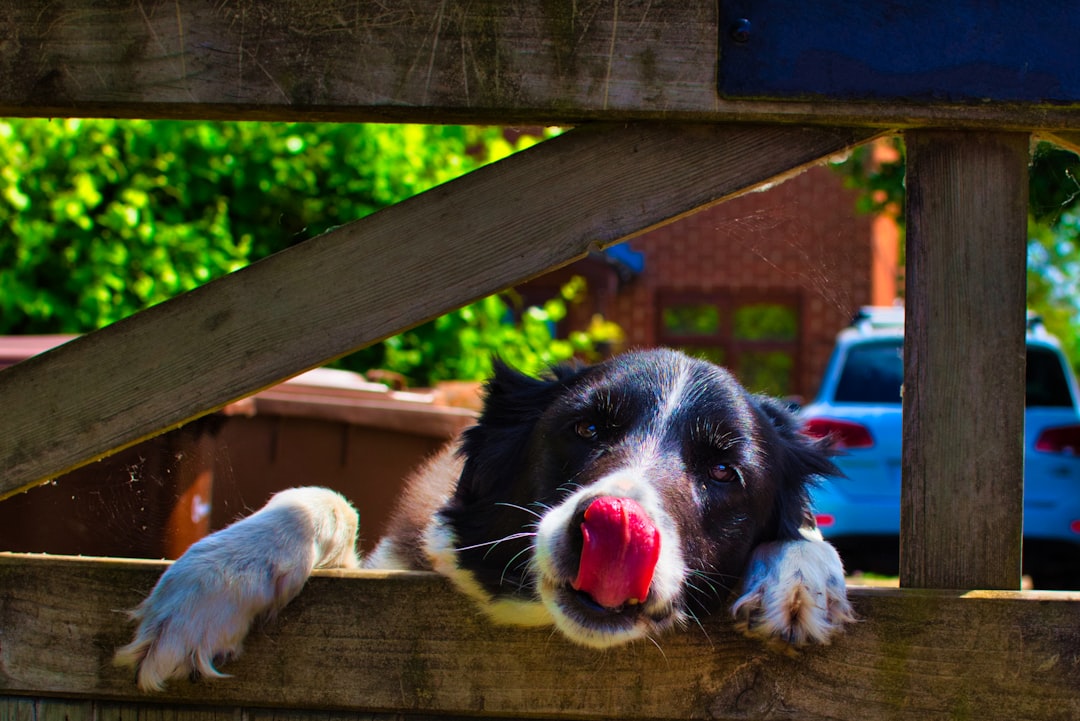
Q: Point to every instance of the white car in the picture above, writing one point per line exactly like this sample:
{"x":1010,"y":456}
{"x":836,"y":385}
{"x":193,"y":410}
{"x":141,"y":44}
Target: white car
{"x":859,"y":405}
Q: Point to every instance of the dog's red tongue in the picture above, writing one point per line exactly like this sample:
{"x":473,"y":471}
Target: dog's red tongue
{"x":620,"y":550}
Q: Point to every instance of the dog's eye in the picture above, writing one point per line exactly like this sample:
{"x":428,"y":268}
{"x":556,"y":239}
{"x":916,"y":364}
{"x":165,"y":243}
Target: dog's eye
{"x":586,"y":430}
{"x":723,"y":473}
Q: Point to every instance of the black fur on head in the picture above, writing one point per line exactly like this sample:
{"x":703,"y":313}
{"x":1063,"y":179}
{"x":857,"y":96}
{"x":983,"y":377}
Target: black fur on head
{"x":492,"y":500}
{"x":802,"y":463}
{"x":496,"y":445}
{"x":731,"y":468}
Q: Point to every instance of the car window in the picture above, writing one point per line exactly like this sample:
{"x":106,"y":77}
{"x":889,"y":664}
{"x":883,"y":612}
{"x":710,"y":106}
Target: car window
{"x":873,"y":373}
{"x":1046,"y":383}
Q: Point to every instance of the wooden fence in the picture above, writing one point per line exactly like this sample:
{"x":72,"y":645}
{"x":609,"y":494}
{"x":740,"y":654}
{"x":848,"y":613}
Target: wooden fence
{"x":680,"y":104}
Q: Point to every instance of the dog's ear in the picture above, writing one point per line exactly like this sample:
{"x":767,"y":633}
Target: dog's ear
{"x":513,"y":403}
{"x":799,"y":462}
{"x":511,"y":396}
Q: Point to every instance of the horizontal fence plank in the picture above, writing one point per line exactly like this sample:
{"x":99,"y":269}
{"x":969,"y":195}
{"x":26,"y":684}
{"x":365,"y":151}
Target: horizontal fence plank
{"x":406,"y":642}
{"x":333,"y":294}
{"x":13,"y":708}
{"x":480,"y":61}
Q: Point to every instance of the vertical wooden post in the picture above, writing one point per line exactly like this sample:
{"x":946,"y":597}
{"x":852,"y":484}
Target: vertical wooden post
{"x":963,"y":459}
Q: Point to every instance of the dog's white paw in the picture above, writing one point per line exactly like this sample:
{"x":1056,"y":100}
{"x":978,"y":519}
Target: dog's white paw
{"x":202,"y":607}
{"x":793,"y":594}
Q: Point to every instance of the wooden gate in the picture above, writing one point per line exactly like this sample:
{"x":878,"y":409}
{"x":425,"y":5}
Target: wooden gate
{"x":679,"y":104}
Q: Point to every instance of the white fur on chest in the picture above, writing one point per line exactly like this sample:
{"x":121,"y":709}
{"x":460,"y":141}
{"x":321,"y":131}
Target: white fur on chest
{"x":441,"y":549}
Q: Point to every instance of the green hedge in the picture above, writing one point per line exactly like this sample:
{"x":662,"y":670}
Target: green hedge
{"x":102,"y":218}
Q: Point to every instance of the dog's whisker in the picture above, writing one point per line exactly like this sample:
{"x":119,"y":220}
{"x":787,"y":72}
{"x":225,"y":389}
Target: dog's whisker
{"x":516,"y":556}
{"x":699,"y":575}
{"x":658,"y":647}
{"x":496,"y":542}
{"x":526,"y":580}
{"x":716,"y":589}
{"x":521,"y":508}
{"x":720,"y":583}
{"x":694,"y":593}
{"x":697,"y":622}
{"x":570,"y":487}
{"x":708,"y":590}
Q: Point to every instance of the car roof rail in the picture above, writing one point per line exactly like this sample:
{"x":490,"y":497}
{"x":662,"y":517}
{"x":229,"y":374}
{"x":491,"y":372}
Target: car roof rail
{"x":878,"y":317}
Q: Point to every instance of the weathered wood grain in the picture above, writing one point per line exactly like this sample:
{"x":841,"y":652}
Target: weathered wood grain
{"x":52,"y":709}
{"x":463,"y":240}
{"x":407,"y":643}
{"x":431,"y":60}
{"x":963,"y":459}
{"x":487,"y":61}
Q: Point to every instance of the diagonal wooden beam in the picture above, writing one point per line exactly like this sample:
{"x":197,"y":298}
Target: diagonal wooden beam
{"x":484,"y":232}
{"x":1069,"y":140}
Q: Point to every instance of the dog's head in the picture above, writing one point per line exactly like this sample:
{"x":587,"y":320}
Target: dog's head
{"x":619,"y":499}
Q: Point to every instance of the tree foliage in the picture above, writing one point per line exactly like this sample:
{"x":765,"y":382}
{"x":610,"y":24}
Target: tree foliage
{"x":1053,"y":288}
{"x":462,"y":344}
{"x":102,"y":218}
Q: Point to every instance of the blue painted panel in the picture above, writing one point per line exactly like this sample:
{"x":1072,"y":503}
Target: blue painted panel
{"x":964,"y":51}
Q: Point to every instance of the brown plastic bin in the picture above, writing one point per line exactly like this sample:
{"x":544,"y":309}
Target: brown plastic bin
{"x":329,"y":428}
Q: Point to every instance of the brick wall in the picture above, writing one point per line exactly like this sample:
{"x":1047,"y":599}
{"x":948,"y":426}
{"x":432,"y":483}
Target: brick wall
{"x":801,"y":238}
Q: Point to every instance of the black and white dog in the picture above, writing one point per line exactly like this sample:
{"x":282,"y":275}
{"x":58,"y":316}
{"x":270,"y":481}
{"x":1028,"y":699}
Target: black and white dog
{"x":614,"y":501}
